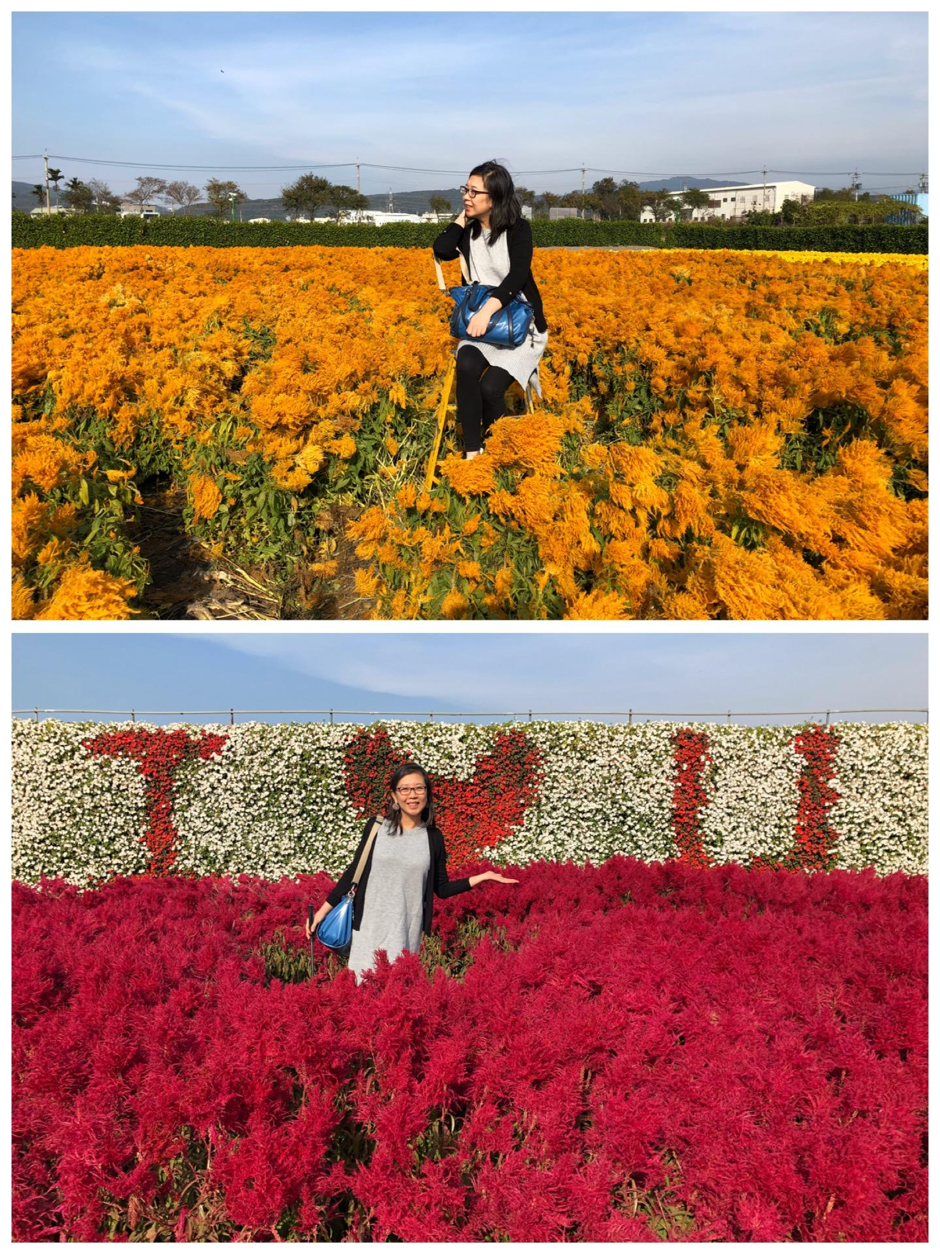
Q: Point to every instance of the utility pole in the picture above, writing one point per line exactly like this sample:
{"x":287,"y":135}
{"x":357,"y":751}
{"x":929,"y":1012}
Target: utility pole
{"x":45,"y":158}
{"x":923,"y":183}
{"x":582,"y":191}
{"x":358,"y":180}
{"x":763,"y":201}
{"x":231,"y":197}
{"x":856,"y":183}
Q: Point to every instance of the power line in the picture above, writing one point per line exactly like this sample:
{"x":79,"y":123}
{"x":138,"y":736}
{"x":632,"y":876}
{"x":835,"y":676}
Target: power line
{"x":336,"y":165}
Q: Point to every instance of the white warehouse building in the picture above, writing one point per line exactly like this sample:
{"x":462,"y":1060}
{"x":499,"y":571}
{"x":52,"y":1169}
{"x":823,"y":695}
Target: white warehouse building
{"x":731,"y":202}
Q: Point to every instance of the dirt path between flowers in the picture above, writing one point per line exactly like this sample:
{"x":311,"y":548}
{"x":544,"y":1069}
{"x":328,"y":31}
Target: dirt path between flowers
{"x":187,"y":581}
{"x":190,"y":582}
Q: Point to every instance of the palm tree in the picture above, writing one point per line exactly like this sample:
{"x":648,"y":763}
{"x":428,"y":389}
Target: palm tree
{"x":39,"y":191}
{"x":54,"y":176}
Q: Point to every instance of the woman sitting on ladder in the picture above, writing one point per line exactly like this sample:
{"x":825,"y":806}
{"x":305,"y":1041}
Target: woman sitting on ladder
{"x":496,"y":241}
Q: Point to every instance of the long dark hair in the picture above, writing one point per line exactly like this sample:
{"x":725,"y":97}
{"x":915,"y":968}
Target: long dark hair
{"x":394,"y":810}
{"x":506,"y":209}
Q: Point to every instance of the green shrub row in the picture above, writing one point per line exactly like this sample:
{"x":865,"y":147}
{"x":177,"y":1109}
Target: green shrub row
{"x":100,"y":229}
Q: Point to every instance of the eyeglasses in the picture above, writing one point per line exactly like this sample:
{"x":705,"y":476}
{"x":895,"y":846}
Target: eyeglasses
{"x":473,"y":192}
{"x":417,"y":792}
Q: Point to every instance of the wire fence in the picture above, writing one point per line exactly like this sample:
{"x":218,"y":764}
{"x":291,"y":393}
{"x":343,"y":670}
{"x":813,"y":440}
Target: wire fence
{"x":331,"y":715}
{"x":406,"y":178}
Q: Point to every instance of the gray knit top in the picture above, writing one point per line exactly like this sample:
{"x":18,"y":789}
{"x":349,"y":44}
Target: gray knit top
{"x":394,"y":904}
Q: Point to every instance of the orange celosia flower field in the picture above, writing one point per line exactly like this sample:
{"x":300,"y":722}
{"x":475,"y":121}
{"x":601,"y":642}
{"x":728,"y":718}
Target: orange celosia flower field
{"x":721,"y":435}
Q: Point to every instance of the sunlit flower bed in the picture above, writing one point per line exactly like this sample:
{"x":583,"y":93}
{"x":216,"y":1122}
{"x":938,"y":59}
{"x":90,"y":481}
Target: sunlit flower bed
{"x":722,"y":434}
{"x":93,"y":800}
{"x":621,"y":1053}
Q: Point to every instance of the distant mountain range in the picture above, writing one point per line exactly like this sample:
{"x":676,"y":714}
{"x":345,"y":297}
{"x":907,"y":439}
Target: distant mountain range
{"x":404,"y":202}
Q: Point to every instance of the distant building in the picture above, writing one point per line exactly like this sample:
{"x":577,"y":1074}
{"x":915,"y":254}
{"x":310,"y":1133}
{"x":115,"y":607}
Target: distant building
{"x":527,"y":212}
{"x":380,"y":217}
{"x":42,"y":211}
{"x":732,"y":202}
{"x":558,"y":212}
{"x":130,"y":210}
{"x":259,"y":220}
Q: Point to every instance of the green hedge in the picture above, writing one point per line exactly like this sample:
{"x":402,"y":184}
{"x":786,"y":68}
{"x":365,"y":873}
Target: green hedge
{"x":65,"y":232}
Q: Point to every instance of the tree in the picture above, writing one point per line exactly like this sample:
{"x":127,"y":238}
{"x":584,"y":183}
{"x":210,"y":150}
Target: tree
{"x":660,"y":204}
{"x":604,"y":192}
{"x":345,"y":200}
{"x":839,"y":212}
{"x":439,"y":205}
{"x":39,"y":191}
{"x":78,"y":195}
{"x":547,"y":201}
{"x":147,"y":189}
{"x":629,"y":200}
{"x":526,"y":195}
{"x":221,"y":193}
{"x":182,"y":194}
{"x":307,"y":195}
{"x":104,"y":199}
{"x":760,"y":217}
{"x":691,"y":199}
{"x":54,"y":177}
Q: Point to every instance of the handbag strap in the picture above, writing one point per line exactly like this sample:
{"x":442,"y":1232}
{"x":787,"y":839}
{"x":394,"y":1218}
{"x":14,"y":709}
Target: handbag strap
{"x":440,"y":273}
{"x":364,"y":856}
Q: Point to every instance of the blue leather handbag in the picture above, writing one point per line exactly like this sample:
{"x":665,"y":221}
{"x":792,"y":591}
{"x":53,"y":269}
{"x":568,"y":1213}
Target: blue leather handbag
{"x":507,"y":328}
{"x":335,"y":929}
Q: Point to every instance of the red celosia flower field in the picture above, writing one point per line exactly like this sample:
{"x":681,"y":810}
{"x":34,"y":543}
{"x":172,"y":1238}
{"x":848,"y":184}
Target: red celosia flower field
{"x":615,"y":1053}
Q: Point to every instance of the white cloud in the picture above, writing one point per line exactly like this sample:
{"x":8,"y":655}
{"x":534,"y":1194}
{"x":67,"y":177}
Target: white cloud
{"x":612,"y":671}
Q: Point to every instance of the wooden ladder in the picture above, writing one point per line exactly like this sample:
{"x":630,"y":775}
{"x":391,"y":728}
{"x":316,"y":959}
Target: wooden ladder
{"x":448,"y":404}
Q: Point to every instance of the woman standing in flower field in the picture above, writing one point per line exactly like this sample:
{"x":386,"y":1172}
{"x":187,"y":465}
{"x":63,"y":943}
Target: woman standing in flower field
{"x":496,"y":242}
{"x":407,"y":866}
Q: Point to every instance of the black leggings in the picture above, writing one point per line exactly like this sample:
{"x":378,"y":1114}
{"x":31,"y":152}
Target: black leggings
{"x":481,"y":395}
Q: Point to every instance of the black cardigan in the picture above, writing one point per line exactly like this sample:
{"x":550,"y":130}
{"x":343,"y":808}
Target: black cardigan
{"x":519,"y":279}
{"x":437,"y":881}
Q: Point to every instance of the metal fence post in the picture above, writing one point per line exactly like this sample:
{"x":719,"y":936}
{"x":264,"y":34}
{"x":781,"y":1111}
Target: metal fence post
{"x":231,"y":718}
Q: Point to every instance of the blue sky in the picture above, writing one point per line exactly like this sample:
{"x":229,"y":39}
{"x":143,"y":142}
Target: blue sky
{"x":479,"y":671}
{"x":657,"y":93}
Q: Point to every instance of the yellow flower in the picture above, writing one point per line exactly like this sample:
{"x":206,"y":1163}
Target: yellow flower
{"x":598,"y":605}
{"x":23,"y":604}
{"x":310,"y":458}
{"x":84,"y":593}
{"x":469,"y":477}
{"x":344,"y":447}
{"x":367,"y":582}
{"x":206,"y":497}
{"x":454,"y":605}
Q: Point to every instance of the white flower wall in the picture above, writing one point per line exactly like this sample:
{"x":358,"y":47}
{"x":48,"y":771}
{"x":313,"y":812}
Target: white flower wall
{"x":277,"y":799}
